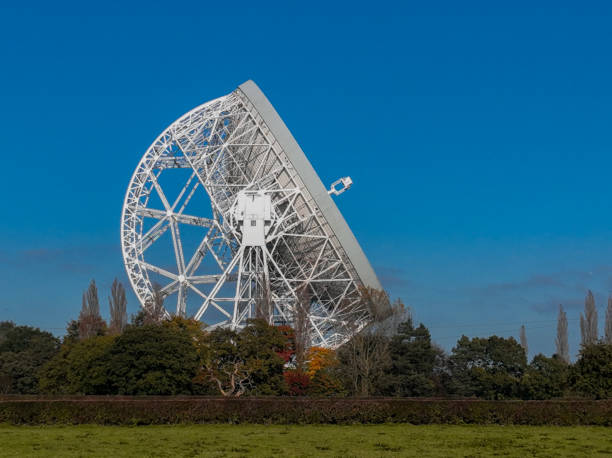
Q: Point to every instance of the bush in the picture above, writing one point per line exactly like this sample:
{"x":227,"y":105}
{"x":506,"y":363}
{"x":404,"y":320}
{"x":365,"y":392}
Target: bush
{"x":326,"y":383}
{"x":189,"y":410}
{"x":297,"y":382}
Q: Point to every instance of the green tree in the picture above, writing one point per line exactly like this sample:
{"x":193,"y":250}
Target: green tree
{"x":81,"y":367}
{"x":72,"y":331}
{"x":262,"y":344}
{"x":153,"y":360}
{"x":592,"y":373}
{"x":5,"y":328}
{"x":23,"y":351}
{"x":53,"y":375}
{"x":490,"y":368}
{"x":545,"y":378}
{"x":413,"y":360}
{"x":193,"y":328}
{"x":234,"y":363}
{"x":223,"y":367}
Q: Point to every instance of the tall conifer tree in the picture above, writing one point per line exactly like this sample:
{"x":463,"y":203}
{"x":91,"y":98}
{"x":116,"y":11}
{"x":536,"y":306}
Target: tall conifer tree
{"x":118,"y":308}
{"x":562,"y":339}
{"x":523,"y":338}
{"x":90,"y":322}
{"x":588,"y":321}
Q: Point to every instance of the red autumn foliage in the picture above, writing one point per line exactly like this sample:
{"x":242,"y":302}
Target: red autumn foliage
{"x":297,"y":382}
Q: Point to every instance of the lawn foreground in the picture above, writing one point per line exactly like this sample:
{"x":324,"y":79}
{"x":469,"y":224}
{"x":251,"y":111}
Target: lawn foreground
{"x":307,"y":440}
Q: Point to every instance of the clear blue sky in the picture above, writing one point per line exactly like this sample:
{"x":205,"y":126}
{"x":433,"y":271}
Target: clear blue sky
{"x":478,"y":137}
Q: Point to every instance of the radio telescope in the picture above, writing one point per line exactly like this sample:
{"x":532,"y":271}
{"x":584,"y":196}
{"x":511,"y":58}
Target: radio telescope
{"x":227,"y":220}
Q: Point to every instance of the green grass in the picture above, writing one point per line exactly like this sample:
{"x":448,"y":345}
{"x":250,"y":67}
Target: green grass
{"x":312,"y":440}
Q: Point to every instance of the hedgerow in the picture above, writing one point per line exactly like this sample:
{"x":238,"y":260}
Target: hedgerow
{"x":272,"y":410}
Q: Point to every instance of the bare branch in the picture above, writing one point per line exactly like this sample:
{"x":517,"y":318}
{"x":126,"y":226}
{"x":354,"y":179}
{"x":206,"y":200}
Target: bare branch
{"x":301,"y":325}
{"x":154,"y":311}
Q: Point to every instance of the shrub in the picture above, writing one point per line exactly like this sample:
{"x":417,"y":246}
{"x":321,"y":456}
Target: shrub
{"x":189,"y":410}
{"x":297,"y":382}
{"x":326,"y":383}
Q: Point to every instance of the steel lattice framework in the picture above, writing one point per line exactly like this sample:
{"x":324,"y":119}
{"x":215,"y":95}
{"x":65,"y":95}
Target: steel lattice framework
{"x":269,"y":234}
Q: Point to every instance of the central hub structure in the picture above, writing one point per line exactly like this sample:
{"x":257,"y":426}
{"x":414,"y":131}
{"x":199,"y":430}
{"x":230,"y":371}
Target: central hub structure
{"x":253,"y":215}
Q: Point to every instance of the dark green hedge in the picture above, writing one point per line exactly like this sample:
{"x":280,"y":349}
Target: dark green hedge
{"x":173,"y":410}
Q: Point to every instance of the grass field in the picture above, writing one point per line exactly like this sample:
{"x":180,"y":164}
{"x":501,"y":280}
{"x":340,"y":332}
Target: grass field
{"x":323,"y":440}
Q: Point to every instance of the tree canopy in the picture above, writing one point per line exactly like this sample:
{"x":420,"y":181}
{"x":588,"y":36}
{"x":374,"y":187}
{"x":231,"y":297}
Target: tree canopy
{"x":235,"y":362}
{"x":413,"y":359}
{"x":23,"y":351}
{"x":545,"y":378}
{"x":592,"y":373}
{"x":152,"y":359}
{"x":487,"y":367}
{"x":81,"y":367}
{"x":159,"y":355}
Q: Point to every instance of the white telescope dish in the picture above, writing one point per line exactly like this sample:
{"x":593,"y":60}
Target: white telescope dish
{"x":226,"y":216}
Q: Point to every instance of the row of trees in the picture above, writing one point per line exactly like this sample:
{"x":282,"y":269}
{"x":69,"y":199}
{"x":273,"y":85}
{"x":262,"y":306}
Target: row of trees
{"x":409,"y":364}
{"x":23,"y":352}
{"x":90,"y":322}
{"x":177,"y":357}
{"x":589,"y":330}
{"x":392,"y":357}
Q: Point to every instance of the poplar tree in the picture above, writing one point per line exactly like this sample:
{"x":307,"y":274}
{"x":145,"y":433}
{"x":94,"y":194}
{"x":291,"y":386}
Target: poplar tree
{"x":523,"y":338}
{"x":118,"y":308}
{"x":90,"y":322}
{"x":588,"y":321}
{"x":562,"y":339}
